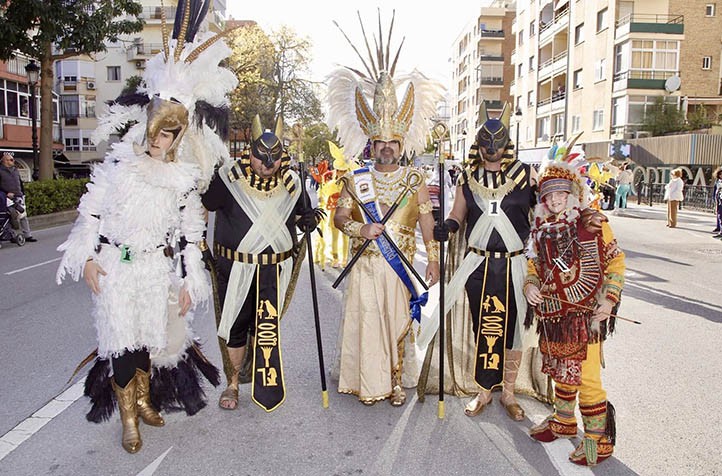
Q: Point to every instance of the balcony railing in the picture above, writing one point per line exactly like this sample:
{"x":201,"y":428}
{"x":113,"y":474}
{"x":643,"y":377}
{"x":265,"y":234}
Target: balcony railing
{"x":138,"y":51}
{"x":491,"y":57}
{"x":650,"y":18}
{"x":492,"y":80}
{"x":641,"y":79}
{"x":651,"y":23}
{"x":492,"y":33}
{"x":154,"y":13}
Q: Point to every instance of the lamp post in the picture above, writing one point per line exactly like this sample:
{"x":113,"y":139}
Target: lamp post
{"x":517,"y":115}
{"x":33,"y":72}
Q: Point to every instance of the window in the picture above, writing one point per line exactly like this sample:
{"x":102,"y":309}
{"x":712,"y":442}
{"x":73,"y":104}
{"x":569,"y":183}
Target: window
{"x":531,"y":29}
{"x":638,"y":106}
{"x":113,"y":73}
{"x":72,"y":143}
{"x":601,"y":20}
{"x":707,"y":62}
{"x":559,"y":124}
{"x":520,"y":39}
{"x":531,"y":63}
{"x":577,"y":78}
{"x":598,"y":120}
{"x":543,"y":128}
{"x":519,"y":70}
{"x":576,"y":123}
{"x":619,"y":111}
{"x":579,"y":33}
{"x":654,"y":59}
{"x":709,"y":10}
{"x":599,"y":70}
{"x":530,"y":98}
{"x":518,"y":103}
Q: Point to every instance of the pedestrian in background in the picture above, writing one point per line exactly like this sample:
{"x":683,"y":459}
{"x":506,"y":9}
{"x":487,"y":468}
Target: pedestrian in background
{"x":717,"y":197}
{"x":624,"y":186}
{"x":11,"y":184}
{"x":673,"y":194}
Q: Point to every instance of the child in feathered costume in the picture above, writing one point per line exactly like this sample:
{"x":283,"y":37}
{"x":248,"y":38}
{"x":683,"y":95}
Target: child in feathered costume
{"x":575,"y":279}
{"x":142,"y":203}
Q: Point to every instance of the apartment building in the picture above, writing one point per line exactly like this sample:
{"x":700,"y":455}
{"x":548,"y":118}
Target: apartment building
{"x":15,"y":115}
{"x":595,"y":66}
{"x":482,"y":70}
{"x":85,"y":83}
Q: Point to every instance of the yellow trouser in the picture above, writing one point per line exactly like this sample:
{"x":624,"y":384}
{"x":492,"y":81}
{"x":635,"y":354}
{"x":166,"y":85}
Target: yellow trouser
{"x":590,"y":389}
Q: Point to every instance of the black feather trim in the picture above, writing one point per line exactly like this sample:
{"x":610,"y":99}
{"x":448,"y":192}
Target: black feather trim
{"x":180,"y":388}
{"x":100,"y":391}
{"x":217,"y":118}
{"x":130,"y":99}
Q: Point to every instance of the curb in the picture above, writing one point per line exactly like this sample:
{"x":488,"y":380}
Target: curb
{"x":40,"y":222}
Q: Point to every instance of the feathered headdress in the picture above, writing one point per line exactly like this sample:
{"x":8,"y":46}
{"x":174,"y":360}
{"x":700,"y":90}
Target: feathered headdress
{"x":560,"y":172}
{"x":385,"y":119}
{"x":184,"y":89}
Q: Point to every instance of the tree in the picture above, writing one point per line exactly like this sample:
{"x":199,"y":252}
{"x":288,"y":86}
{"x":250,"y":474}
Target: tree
{"x":73,"y":27}
{"x":271,"y":74}
{"x":662,"y":117}
{"x":315,"y":142}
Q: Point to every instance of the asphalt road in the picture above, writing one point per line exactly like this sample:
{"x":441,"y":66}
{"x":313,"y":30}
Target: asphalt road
{"x":662,"y":376}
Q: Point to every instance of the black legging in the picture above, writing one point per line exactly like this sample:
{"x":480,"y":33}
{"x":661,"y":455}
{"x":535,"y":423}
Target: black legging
{"x":125,"y":365}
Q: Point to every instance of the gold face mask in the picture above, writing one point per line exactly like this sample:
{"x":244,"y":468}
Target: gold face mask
{"x":167,"y":115}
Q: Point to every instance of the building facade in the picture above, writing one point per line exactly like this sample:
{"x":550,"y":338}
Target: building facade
{"x":596,"y":67}
{"x":482,"y":71}
{"x":86,"y":84}
{"x":15,"y":115}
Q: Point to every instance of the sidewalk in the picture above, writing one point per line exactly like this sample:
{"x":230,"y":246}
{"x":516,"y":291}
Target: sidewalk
{"x":40,"y":222}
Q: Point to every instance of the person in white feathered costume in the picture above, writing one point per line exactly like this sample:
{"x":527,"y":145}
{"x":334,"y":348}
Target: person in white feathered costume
{"x":142,"y":204}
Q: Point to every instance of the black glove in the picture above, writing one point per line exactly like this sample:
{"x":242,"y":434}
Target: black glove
{"x":442,"y":230}
{"x":208,"y":259}
{"x":310,"y":218}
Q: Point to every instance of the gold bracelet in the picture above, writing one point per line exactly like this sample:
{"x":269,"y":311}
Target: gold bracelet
{"x":344,"y":202}
{"x":531,"y":280}
{"x":203,"y":245}
{"x":426,"y":207}
{"x":352,"y":228}
{"x":432,"y":250}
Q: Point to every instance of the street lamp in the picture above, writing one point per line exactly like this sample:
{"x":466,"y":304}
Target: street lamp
{"x":517,"y":115}
{"x":33,"y":72}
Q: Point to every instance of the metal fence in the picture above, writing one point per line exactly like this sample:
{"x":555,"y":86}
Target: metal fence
{"x":696,"y":197}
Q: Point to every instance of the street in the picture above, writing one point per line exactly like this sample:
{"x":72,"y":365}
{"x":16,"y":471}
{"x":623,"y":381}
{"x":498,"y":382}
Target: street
{"x":664,"y":378}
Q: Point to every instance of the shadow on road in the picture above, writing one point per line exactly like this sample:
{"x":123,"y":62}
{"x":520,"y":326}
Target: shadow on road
{"x":673,"y":301}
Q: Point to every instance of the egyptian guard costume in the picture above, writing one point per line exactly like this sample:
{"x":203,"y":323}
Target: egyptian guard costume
{"x":574,"y":267}
{"x":142,"y":221}
{"x":255,"y":248}
{"x":381,"y":298}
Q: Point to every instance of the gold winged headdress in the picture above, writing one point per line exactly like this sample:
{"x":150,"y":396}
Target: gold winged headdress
{"x":385,"y":119}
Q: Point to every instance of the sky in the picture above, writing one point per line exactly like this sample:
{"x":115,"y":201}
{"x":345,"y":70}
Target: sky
{"x":429,"y":32}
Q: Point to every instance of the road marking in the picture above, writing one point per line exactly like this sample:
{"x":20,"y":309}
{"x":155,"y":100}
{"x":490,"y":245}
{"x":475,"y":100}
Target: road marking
{"x":31,"y":425}
{"x":151,"y":468}
{"x":33,"y":266}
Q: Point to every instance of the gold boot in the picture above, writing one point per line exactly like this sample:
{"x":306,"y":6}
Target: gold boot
{"x":146,"y":412}
{"x":128,"y":416}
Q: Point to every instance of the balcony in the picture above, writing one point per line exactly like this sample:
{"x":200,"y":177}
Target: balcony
{"x":560,"y":22}
{"x":492,"y":81}
{"x":640,"y":23}
{"x":543,"y":106}
{"x":558,"y":101}
{"x":491,"y":34}
{"x":491,"y":57}
{"x":153,"y":14}
{"x":641,"y":79}
{"x":494,"y":105}
{"x":143,"y":51}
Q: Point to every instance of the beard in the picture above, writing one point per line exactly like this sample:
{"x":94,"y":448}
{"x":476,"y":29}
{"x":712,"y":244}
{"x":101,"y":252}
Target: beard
{"x":386,"y":157}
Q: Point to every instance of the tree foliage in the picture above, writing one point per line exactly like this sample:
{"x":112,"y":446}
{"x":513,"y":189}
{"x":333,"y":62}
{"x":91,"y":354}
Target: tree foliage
{"x":662,"y":117}
{"x":271,"y":71}
{"x":72,"y":27}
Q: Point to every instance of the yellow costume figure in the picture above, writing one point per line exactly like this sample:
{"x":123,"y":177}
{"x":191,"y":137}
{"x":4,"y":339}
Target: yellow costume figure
{"x":576,"y":274}
{"x":381,"y":293}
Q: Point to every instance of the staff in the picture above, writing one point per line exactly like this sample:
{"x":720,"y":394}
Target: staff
{"x":302,"y":167}
{"x":442,"y":262}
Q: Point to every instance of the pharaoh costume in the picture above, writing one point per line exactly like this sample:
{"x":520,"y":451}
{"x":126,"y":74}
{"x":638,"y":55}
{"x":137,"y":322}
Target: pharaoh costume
{"x":381,"y":298}
{"x":255,"y":247}
{"x":137,"y":212}
{"x":575,"y":268}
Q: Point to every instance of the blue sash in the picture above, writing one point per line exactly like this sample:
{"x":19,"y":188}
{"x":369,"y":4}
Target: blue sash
{"x":391,"y":257}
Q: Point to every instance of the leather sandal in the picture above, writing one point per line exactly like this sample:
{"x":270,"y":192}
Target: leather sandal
{"x":398,"y":396}
{"x":476,"y":405}
{"x":229,"y":395}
